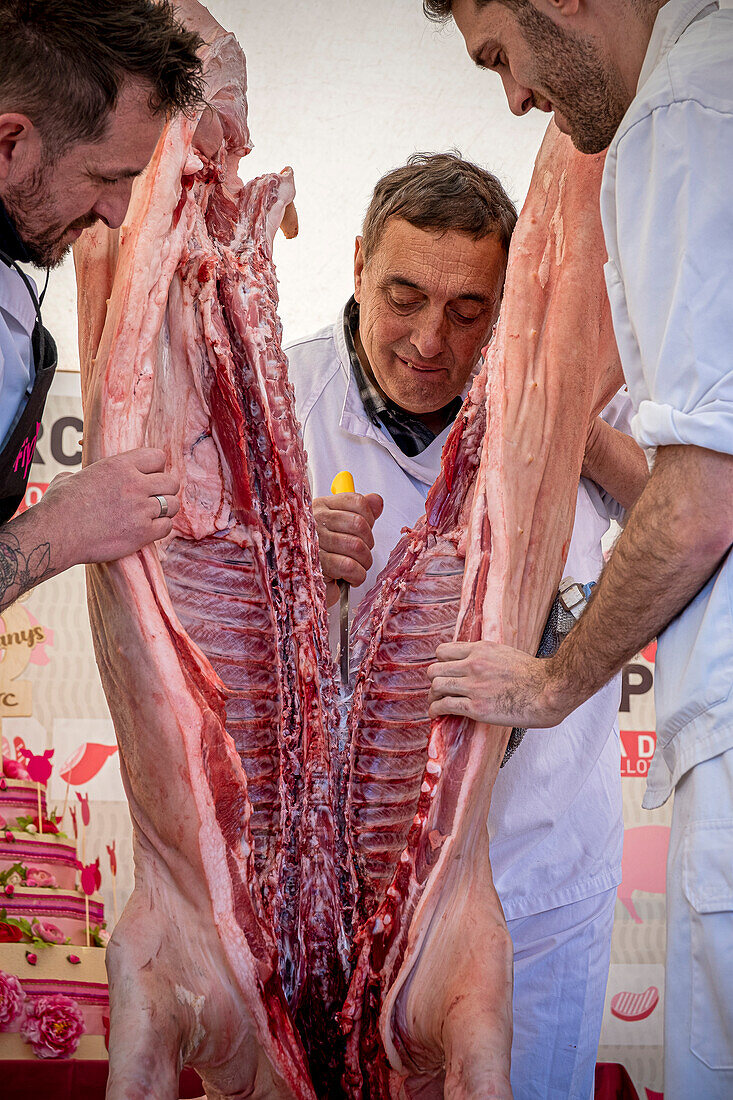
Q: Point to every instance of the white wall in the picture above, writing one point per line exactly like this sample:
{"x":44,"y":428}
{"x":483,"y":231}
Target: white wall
{"x":343,"y":90}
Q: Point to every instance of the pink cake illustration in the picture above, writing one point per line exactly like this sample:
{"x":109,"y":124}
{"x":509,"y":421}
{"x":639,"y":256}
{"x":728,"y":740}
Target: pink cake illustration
{"x":54,"y":1001}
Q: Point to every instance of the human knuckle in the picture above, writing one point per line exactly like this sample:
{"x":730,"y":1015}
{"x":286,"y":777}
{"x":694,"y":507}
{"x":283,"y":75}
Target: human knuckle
{"x":355,"y":523}
{"x":354,"y":546}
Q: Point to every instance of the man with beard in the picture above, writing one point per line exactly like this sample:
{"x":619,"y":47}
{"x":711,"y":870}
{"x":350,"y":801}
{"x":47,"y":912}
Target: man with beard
{"x":84,"y":93}
{"x":655,"y":81}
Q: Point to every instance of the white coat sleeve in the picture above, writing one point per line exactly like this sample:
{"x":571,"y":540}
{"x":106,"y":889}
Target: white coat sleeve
{"x":675,"y":242}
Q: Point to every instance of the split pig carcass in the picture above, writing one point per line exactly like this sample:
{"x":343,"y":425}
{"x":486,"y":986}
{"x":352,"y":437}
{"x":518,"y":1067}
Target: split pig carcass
{"x":432,"y":984}
{"x":216,"y":670}
{"x":298,"y":875}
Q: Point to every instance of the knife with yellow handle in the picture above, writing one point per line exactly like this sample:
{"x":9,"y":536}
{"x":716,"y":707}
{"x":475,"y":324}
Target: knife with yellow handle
{"x":343,"y":483}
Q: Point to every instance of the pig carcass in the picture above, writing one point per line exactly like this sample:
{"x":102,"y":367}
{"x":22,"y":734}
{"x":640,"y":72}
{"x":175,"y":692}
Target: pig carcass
{"x":215,"y":665}
{"x":432,"y":984}
{"x":279,"y":857}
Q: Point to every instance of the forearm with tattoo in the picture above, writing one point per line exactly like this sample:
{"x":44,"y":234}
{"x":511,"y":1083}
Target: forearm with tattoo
{"x":21,"y":567}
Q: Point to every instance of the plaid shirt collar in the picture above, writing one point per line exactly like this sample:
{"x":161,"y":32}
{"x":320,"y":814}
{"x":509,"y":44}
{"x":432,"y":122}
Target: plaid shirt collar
{"x":410,"y":434}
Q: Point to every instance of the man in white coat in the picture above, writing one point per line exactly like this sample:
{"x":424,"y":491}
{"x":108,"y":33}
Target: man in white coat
{"x":653,"y":82}
{"x":376,"y":394}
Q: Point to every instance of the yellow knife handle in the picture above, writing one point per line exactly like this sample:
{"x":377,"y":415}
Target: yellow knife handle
{"x":343,"y":483}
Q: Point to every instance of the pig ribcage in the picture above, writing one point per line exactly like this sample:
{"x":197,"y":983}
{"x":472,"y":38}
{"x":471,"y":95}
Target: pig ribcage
{"x":389,"y":742}
{"x":221,"y":598}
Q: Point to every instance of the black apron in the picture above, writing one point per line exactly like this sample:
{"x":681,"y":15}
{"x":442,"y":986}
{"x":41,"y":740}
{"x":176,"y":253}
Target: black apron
{"x":17,"y":454}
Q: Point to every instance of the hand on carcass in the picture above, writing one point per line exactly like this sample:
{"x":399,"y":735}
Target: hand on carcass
{"x":344,"y":522}
{"x":497,"y":685}
{"x":109,"y":509}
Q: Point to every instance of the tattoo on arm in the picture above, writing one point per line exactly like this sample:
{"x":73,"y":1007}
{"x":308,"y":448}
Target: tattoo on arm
{"x":19,"y":569}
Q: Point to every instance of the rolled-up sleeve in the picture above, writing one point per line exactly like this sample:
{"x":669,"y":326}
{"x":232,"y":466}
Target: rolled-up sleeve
{"x":675,"y":256}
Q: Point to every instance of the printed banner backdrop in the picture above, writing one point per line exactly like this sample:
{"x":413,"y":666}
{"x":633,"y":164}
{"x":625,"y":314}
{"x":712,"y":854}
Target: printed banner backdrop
{"x":633,"y":1016}
{"x":50,"y":693}
{"x":51,"y":697}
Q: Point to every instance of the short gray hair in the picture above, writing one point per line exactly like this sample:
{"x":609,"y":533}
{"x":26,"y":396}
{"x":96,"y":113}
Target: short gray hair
{"x":438,"y":192}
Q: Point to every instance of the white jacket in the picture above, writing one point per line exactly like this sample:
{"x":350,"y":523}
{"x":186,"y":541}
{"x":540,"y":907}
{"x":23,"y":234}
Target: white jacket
{"x":555,"y":823}
{"x":338,"y":435}
{"x":668,"y":225}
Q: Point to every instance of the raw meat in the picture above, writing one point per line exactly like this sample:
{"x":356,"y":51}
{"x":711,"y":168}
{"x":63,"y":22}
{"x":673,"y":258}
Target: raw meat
{"x":214,"y":652}
{"x":279,"y":855}
{"x":412,"y":608}
{"x":433,"y":983}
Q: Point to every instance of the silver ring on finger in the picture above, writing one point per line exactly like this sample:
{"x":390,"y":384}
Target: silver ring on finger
{"x":163,"y":502}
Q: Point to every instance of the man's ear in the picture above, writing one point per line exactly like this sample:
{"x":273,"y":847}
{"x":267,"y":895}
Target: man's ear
{"x":20,"y":143}
{"x":358,"y":266}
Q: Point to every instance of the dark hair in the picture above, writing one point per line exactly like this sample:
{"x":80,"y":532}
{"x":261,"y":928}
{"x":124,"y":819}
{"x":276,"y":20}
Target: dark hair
{"x":62,"y":62}
{"x":438,"y":11}
{"x":440,"y":191}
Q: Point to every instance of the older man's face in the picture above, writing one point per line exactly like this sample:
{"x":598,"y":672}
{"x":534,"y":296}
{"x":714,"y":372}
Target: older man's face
{"x":427,"y":304}
{"x":542,"y":64}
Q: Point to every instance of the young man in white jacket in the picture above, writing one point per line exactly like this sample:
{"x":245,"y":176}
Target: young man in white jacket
{"x":652,"y":81}
{"x":376,"y":394}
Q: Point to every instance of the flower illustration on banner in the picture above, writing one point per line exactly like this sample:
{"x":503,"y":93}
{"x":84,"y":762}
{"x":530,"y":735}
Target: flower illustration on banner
{"x":53,"y":1026}
{"x":12,"y":999}
{"x":14,"y":875}
{"x":100,"y":935}
{"x":32,"y":824}
{"x":47,"y":932}
{"x":9,"y":933}
{"x":37,"y":876}
{"x":14,"y":769}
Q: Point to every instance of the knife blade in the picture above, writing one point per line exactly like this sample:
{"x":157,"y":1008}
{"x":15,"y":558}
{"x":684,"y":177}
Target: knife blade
{"x":343,"y":483}
{"x":344,"y":632}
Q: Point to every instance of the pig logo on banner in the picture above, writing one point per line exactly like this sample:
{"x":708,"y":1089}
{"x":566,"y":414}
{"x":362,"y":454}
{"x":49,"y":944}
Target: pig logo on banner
{"x":644,"y":864}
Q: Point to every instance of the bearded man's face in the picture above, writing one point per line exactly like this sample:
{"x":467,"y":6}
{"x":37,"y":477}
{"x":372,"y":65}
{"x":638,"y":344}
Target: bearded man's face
{"x":52,"y":201}
{"x":541,"y":65}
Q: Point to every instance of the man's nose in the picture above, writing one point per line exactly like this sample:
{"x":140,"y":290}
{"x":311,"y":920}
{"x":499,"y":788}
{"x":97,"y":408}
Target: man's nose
{"x":112,"y":206}
{"x":518,"y":97}
{"x":428,"y":336}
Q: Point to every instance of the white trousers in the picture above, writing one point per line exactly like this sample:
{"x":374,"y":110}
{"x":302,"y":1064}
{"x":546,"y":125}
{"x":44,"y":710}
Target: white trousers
{"x":561,"y":960}
{"x":698,"y":998}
